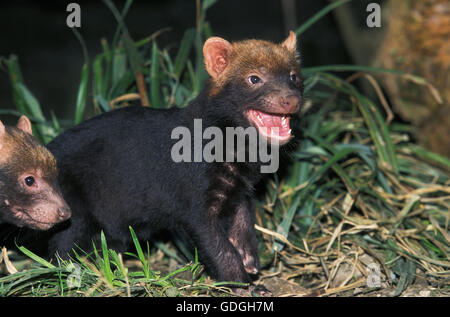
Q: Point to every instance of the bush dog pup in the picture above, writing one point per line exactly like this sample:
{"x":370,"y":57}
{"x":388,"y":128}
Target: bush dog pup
{"x":29,"y":191}
{"x":116,"y":169}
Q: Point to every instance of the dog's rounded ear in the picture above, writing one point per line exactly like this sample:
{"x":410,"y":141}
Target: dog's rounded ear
{"x":24,"y":124}
{"x":216,"y":52}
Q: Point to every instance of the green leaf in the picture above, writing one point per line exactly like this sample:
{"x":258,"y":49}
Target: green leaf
{"x":200,"y":72}
{"x":106,"y":267}
{"x":183,"y":52}
{"x":348,"y":68}
{"x":284,"y":226}
{"x":140,"y":253}
{"x":207,"y":4}
{"x":316,"y":17}
{"x":407,"y":272}
{"x":119,"y":68}
{"x":36,"y":258}
{"x":31,"y":103}
{"x":132,"y":53}
{"x":379,"y":132}
{"x":56,"y":124}
{"x":82,"y":95}
{"x":430,"y":156}
{"x":137,"y":245}
{"x":30,"y":106}
{"x":155,"y":77}
{"x":16,"y":77}
{"x":99,"y":84}
{"x":103,"y":103}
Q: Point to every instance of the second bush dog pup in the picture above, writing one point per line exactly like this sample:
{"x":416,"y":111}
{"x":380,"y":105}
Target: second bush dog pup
{"x":29,"y":191}
{"x":117,"y":169}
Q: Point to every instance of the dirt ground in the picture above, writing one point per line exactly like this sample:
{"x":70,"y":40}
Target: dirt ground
{"x":282,"y":288}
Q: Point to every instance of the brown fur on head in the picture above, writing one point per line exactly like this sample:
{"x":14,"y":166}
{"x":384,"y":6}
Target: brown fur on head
{"x":267,"y":76}
{"x":226,"y":61}
{"x":29,"y":194}
{"x":21,"y":151}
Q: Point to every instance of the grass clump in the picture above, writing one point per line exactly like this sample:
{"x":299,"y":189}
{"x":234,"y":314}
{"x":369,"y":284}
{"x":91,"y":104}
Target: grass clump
{"x":103,"y":273}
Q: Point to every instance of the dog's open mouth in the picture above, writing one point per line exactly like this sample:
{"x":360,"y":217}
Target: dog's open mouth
{"x":274,"y":127}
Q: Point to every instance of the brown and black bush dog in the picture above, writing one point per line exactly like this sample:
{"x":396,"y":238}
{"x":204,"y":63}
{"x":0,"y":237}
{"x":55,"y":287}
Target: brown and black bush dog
{"x":116,"y":169}
{"x":29,"y":191}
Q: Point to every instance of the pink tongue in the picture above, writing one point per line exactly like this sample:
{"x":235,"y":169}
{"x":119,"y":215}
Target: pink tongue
{"x":271,"y":121}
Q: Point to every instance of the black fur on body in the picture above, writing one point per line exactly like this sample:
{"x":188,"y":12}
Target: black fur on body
{"x":117,"y":178}
{"x":116,"y":171}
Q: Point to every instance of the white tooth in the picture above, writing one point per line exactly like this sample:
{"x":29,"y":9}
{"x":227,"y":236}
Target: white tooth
{"x":290,"y":130}
{"x":260,"y":119}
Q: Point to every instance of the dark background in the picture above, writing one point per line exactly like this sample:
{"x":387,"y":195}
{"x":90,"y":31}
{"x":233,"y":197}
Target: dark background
{"x":51,"y":57}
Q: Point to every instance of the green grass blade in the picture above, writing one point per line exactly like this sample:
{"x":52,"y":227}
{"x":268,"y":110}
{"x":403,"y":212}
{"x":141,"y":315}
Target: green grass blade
{"x":32,"y":104}
{"x":55,"y":121}
{"x":377,"y":128}
{"x":106,"y":265}
{"x":381,"y":139}
{"x":430,"y":156}
{"x":82,"y":89}
{"x":36,"y":258}
{"x":134,"y":58}
{"x":316,"y":17}
{"x":137,"y":245}
{"x":183,"y":52}
{"x":107,"y":57}
{"x":104,"y":105}
{"x":348,"y":68}
{"x":33,"y":109}
{"x":99,"y":84}
{"x":207,"y":4}
{"x":82,"y":95}
{"x":155,"y":77}
{"x":384,"y":130}
{"x":284,"y":226}
{"x":140,"y":253}
{"x":16,"y":77}
{"x":119,"y":69}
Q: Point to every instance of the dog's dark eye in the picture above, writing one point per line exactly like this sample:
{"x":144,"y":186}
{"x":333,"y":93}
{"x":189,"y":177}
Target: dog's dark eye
{"x":29,"y":181}
{"x":293,"y":78}
{"x":254,"y":79}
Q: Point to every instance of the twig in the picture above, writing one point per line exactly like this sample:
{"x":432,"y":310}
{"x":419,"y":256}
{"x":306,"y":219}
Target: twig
{"x":325,"y":269}
{"x":126,"y":97}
